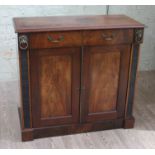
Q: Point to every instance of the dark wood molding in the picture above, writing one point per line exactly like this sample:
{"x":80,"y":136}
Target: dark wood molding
{"x":133,"y":73}
{"x":24,"y":71}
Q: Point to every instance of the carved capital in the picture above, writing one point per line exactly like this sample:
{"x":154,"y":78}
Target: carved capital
{"x":138,"y":36}
{"x":23,"y":42}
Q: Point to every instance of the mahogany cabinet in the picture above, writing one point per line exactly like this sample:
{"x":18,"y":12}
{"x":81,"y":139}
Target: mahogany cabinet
{"x":77,"y":73}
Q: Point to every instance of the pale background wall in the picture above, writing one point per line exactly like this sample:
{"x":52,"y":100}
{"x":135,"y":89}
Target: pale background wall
{"x":146,"y":15}
{"x":8,"y":49}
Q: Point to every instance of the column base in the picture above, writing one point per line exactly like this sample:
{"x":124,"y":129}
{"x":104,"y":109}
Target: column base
{"x":129,"y":122}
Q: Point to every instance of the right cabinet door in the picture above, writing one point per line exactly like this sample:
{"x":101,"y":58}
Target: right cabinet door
{"x":105,"y":72}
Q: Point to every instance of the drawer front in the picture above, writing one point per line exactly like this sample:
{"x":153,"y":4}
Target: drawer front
{"x":55,"y":39}
{"x":108,"y":37}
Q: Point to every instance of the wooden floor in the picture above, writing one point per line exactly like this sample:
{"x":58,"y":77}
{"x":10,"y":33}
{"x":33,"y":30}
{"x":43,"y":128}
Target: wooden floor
{"x":142,"y":136}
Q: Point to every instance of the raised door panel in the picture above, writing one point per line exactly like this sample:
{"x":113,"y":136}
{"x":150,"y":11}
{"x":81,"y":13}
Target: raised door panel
{"x":55,"y":77}
{"x":55,"y":86}
{"x":103,"y":81}
{"x":105,"y":76}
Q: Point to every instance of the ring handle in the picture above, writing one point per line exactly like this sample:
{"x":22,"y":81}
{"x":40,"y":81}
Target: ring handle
{"x":23,"y":42}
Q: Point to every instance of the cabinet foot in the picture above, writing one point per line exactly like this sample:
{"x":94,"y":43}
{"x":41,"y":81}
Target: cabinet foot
{"x":27,"y":135}
{"x":129,"y":122}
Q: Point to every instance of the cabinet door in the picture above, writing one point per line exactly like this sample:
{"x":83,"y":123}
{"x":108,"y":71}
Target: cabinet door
{"x":55,"y":82}
{"x":104,"y":83}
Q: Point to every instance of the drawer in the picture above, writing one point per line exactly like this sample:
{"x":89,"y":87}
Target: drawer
{"x":55,"y":39}
{"x":108,"y":37}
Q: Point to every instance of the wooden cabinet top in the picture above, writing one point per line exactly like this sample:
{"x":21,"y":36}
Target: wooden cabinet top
{"x":66,"y":23}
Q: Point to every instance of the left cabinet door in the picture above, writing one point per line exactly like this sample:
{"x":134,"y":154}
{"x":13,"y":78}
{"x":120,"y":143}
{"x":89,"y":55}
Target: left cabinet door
{"x":55,"y":85}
